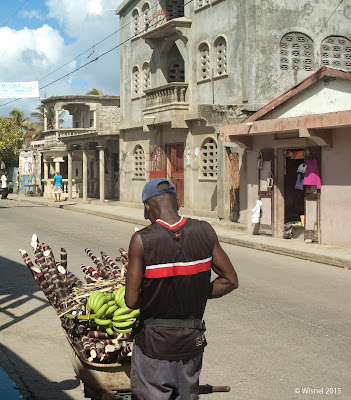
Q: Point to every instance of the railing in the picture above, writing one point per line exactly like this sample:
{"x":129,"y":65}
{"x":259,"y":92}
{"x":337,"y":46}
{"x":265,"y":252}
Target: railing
{"x":77,"y":187}
{"x":171,"y":93}
{"x":75,"y":131}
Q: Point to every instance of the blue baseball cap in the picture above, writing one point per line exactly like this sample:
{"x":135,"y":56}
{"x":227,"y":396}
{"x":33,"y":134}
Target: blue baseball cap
{"x":151,"y":189}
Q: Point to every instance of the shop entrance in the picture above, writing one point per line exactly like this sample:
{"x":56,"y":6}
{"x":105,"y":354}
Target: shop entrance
{"x":294,"y":193}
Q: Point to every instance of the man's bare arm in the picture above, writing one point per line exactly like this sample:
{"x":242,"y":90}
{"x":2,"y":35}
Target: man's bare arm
{"x":227,"y":279}
{"x":135,"y":272}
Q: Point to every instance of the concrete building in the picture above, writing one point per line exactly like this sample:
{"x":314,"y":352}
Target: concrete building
{"x":86,"y":154}
{"x":189,"y":67}
{"x":307,"y":126}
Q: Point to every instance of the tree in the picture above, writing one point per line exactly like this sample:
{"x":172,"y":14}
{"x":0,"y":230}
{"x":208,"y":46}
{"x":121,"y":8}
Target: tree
{"x":50,"y":117}
{"x":96,"y":92}
{"x":17,"y":117}
{"x":10,"y":141}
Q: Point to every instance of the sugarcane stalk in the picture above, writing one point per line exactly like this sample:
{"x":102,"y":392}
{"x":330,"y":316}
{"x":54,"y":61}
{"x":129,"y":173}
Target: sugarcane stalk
{"x":97,"y":262}
{"x":64,"y":258}
{"x":87,"y":269}
{"x":123,"y":253}
{"x":73,"y":279}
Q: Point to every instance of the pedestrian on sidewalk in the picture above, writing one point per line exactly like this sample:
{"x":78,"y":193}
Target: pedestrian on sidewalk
{"x":17,"y":182}
{"x":4,"y":186}
{"x":168,"y":278}
{"x":57,"y":186}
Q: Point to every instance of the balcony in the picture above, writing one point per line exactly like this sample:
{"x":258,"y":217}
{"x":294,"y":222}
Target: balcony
{"x":173,"y":96}
{"x":68,"y":132}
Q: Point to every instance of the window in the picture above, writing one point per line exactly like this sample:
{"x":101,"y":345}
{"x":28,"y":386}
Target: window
{"x":176,"y":71}
{"x":138,"y":162}
{"x":204,"y":61}
{"x":76,"y":120}
{"x":135,"y":22}
{"x":135,"y":81}
{"x":220,"y":45}
{"x":296,"y":52}
{"x":336,"y":52}
{"x":146,"y":76}
{"x":91,"y":119}
{"x":146,"y":15}
{"x":202,"y":3}
{"x":209,"y":159}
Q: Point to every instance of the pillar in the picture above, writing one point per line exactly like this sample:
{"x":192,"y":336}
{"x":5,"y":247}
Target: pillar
{"x":57,"y":166}
{"x":45,"y":120}
{"x":70,"y":173}
{"x":46,"y":169}
{"x":102,"y":172}
{"x":85,"y":174}
{"x":57,"y":119}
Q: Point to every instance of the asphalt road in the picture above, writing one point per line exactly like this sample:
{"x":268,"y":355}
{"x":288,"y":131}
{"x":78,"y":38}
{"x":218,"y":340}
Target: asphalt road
{"x":284,"y":334}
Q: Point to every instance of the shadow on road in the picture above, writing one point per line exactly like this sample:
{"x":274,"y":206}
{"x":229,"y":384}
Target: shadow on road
{"x":17,"y":287}
{"x":17,"y":369}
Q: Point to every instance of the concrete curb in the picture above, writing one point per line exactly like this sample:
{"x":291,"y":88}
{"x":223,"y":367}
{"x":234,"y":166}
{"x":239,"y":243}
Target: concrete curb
{"x":304,"y":255}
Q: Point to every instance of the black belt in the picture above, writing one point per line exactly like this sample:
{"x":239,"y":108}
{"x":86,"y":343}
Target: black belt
{"x":177,"y":323}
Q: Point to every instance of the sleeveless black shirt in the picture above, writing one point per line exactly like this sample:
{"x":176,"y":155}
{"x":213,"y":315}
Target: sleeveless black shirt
{"x":176,"y":284}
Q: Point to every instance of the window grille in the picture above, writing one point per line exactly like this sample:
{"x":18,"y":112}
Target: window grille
{"x":138,"y":162}
{"x":296,"y":52}
{"x":136,"y":81}
{"x":204,"y":61}
{"x":146,"y":76}
{"x":146,"y":15}
{"x":176,"y":72}
{"x":221,"y":56}
{"x":202,"y":3}
{"x":336,"y":52}
{"x":135,"y":24}
{"x":209,"y":159}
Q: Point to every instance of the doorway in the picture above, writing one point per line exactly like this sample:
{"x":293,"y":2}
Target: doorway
{"x":175,"y":168}
{"x":294,"y":192}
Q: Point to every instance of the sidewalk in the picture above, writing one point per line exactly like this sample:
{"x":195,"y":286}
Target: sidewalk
{"x":227,"y":232}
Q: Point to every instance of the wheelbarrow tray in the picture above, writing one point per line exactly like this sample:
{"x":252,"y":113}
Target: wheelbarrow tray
{"x":100,"y":377}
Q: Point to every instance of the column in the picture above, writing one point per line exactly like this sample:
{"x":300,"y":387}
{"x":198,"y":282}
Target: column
{"x":85,"y":174}
{"x":46,"y":169}
{"x":45,"y":120}
{"x":57,"y":166}
{"x":70,"y":171}
{"x":57,"y":119}
{"x":102,"y":172}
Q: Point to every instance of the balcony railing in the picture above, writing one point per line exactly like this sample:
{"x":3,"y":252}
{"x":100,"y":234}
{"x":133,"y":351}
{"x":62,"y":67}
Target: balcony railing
{"x":66,"y":132}
{"x":170,"y":94}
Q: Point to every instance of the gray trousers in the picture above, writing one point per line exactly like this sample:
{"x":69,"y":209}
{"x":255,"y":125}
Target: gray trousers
{"x":153,"y":379}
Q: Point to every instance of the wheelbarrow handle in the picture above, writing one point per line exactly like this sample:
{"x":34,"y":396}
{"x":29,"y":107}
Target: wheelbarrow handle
{"x":205,"y":389}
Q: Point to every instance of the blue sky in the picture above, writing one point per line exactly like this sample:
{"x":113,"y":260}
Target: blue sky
{"x":39,"y":36}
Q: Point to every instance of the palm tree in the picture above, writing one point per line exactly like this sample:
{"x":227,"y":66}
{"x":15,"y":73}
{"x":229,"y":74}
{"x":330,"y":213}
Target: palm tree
{"x":50,"y":117}
{"x":96,"y":92}
{"x":32,"y":132}
{"x":17,"y":117}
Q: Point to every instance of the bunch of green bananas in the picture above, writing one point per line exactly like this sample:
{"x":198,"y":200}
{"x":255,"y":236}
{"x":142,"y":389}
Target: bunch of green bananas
{"x":108,"y":312}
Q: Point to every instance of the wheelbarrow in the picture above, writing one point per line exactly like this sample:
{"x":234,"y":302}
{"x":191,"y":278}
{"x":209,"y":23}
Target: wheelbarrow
{"x":112,"y":381}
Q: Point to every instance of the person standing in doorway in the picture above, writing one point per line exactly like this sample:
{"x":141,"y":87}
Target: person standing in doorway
{"x":4,"y":186}
{"x":168,"y":278}
{"x":17,"y":181}
{"x":57,"y":186}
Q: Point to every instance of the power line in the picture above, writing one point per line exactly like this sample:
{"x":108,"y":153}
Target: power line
{"x":15,"y":13}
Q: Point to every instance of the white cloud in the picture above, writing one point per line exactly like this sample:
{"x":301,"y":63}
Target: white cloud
{"x":31,"y":14}
{"x":28,"y":54}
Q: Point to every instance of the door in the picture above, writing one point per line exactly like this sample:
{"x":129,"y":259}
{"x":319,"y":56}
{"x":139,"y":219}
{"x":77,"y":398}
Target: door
{"x":265,"y":190}
{"x":175,"y":168}
{"x":234,"y":202}
{"x":312,"y":200}
{"x":157,"y":162}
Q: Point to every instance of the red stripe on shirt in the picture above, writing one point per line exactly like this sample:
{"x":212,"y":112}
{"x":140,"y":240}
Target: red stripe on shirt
{"x":176,"y":270}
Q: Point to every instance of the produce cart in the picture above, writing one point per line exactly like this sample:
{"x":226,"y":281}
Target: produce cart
{"x":94,"y":317}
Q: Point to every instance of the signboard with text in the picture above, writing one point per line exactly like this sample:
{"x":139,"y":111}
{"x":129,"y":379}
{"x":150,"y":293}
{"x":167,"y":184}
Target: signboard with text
{"x":9,"y":90}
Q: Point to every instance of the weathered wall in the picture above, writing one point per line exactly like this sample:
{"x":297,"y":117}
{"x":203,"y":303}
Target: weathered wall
{"x":336,"y":190}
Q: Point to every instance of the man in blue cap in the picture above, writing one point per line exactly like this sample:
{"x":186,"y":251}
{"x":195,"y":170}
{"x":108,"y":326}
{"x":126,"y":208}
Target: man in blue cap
{"x":168,"y":277}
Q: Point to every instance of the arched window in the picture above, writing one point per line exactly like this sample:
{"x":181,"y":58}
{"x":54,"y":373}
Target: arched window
{"x":135,"y":23}
{"x":138,"y":162}
{"x":202,"y":3}
{"x":220,"y":46}
{"x":146,"y":15}
{"x":336,"y":52}
{"x":209,"y":159}
{"x":296,"y":52}
{"x":135,"y":81}
{"x":204,"y":61}
{"x":146,"y":76}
